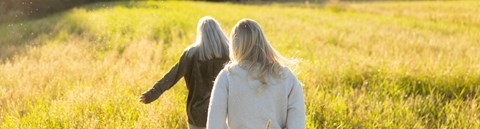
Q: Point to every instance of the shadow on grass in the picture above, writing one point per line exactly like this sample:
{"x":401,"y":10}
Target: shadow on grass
{"x":17,"y":36}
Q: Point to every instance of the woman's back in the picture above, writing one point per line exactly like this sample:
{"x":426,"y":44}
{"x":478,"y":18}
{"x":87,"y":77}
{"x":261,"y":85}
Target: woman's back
{"x":199,"y":82}
{"x":199,"y":76}
{"x":199,"y":65}
{"x":256,"y":90}
{"x":251,"y":105}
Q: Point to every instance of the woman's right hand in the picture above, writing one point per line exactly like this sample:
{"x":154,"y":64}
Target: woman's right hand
{"x":142,"y":99}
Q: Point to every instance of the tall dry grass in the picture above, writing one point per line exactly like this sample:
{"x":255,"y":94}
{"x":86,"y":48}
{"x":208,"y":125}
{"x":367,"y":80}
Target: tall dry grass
{"x":363,"y":65}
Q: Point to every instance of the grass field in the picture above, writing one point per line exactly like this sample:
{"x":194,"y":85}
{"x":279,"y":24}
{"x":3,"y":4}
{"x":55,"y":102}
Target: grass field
{"x":363,"y":65}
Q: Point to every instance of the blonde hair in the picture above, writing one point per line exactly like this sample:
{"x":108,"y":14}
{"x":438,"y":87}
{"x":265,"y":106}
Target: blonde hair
{"x":211,"y":42}
{"x":250,"y":49}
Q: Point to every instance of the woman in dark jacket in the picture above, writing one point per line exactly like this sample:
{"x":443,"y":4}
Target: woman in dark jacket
{"x":199,"y":65}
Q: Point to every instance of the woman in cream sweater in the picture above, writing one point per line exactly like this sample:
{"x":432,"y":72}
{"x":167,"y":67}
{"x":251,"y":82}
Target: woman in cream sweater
{"x":256,"y":90}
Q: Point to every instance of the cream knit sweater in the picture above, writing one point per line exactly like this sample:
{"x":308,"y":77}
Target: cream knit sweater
{"x":244,"y":103}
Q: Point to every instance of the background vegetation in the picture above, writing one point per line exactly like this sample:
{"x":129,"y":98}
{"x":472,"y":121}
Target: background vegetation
{"x":363,"y":65}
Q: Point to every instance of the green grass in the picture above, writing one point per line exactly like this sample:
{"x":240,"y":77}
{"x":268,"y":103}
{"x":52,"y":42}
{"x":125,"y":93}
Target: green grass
{"x":363,"y":65}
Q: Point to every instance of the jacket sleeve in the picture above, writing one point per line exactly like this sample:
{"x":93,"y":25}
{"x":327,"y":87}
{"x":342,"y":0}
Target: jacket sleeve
{"x":170,"y":79}
{"x":217,"y":110}
{"x":296,"y":107}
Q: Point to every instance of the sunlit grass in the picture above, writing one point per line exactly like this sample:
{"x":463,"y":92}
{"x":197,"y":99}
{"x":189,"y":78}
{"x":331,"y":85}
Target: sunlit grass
{"x":371,"y":65}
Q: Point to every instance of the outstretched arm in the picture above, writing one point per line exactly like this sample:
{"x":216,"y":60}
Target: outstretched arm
{"x":170,"y":79}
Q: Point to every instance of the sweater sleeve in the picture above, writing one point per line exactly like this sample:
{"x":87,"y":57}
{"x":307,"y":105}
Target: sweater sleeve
{"x":170,"y":79}
{"x":217,"y":111}
{"x":296,"y":107}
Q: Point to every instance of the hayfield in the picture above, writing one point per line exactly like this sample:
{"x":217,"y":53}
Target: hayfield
{"x":363,"y":65}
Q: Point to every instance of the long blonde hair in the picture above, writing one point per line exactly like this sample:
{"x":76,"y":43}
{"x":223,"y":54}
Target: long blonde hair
{"x":211,"y":42}
{"x":250,"y":49}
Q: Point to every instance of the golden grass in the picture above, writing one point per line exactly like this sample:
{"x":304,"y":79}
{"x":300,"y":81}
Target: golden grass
{"x":363,"y":65}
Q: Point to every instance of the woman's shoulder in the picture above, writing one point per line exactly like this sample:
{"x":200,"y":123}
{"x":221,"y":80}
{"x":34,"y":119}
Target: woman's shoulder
{"x":193,"y":52}
{"x":227,"y":69}
{"x":190,"y":51}
{"x":223,"y":75}
{"x":288,"y":74}
{"x":233,"y":69}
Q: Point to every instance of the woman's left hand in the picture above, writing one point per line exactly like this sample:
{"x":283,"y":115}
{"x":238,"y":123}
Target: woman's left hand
{"x":142,"y":99}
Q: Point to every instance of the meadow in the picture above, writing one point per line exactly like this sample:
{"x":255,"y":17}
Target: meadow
{"x":362,"y":65}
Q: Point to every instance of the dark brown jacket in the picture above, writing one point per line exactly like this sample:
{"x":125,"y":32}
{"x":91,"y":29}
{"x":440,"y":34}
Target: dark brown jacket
{"x":199,"y":77}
